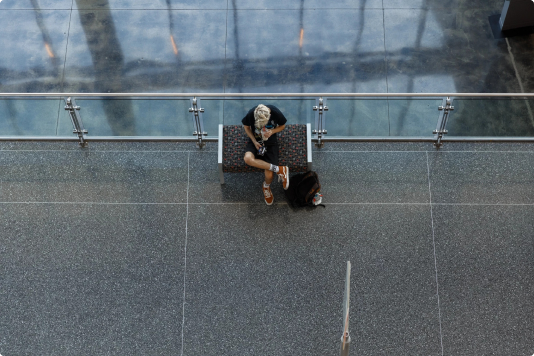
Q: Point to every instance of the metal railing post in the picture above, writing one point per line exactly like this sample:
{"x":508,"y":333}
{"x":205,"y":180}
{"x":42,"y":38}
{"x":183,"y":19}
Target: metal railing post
{"x":75,"y":118}
{"x":198,"y":122}
{"x":320,"y":120}
{"x":345,"y":337}
{"x":445,"y":108}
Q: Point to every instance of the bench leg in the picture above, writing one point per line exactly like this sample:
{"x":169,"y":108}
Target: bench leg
{"x":221,"y":174}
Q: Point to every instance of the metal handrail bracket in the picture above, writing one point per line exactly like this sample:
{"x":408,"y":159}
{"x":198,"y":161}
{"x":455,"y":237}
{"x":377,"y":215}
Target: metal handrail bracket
{"x":75,"y":118}
{"x":198,"y":123}
{"x":320,"y":109}
{"x":441,"y":128}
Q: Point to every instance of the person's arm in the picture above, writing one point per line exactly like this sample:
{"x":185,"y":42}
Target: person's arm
{"x":275,"y":130}
{"x":248,"y":130}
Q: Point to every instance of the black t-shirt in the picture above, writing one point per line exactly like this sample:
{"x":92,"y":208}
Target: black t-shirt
{"x":276,"y":119}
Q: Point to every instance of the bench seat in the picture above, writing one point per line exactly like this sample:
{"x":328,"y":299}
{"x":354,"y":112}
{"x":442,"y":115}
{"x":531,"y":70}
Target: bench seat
{"x":294,"y":142}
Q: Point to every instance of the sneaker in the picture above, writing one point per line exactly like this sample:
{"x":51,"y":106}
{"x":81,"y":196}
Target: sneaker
{"x":268,"y":195}
{"x":283,"y":175}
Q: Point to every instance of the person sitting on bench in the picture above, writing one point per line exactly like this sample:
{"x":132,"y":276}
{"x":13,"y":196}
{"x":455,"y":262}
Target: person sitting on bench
{"x":261,"y":124}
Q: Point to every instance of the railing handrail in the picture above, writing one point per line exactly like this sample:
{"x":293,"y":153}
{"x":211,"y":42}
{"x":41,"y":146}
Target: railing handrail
{"x":270,"y":95}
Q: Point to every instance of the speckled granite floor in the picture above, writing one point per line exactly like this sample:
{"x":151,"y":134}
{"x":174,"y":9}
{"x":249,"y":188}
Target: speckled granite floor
{"x":131,"y":249}
{"x":136,"y":249}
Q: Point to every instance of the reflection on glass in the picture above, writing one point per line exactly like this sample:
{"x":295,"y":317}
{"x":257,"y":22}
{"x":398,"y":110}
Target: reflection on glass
{"x":212,"y":116}
{"x":357,"y":117}
{"x":169,"y":117}
{"x":382,"y":117}
{"x":491,"y":117}
{"x":296,"y":111}
{"x":31,"y":117}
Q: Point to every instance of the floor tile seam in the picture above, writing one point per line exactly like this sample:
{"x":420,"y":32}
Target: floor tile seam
{"x":484,"y":204}
{"x":196,"y":151}
{"x":416,"y":8}
{"x":64,"y":67}
{"x":249,"y":9}
{"x":148,"y":9}
{"x":530,"y":152}
{"x":364,"y":151}
{"x":318,"y":152}
{"x":401,"y":151}
{"x":225,"y":55}
{"x":185,"y":258}
{"x":366,"y":203}
{"x":434,"y":251}
{"x":439,"y":8}
{"x":310,"y":9}
{"x":189,"y":203}
{"x":519,"y":80}
{"x":31,"y":9}
{"x":258,"y":9}
{"x":259,"y":203}
{"x":104,"y":151}
{"x":65,"y":58}
{"x":82,"y":202}
{"x":386,"y":59}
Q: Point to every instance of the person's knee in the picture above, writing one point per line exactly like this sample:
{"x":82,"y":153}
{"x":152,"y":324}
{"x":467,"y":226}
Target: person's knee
{"x":248,"y":158}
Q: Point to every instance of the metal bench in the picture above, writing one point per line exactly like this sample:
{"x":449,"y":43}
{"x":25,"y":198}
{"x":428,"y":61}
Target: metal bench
{"x":294,"y":142}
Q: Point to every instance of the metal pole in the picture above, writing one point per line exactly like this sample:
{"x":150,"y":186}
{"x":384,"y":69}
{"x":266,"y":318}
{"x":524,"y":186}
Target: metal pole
{"x":345,"y":351}
{"x":345,"y":337}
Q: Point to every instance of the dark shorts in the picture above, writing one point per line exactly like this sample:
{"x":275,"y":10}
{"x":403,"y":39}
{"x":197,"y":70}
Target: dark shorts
{"x":271,"y":156}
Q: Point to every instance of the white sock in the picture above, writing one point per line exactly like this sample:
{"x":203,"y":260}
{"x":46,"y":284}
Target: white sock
{"x":274,"y":168}
{"x":265,"y":185}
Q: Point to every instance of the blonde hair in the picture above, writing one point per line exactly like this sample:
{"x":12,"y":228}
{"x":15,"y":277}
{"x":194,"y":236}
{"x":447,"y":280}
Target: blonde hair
{"x":262,"y":114}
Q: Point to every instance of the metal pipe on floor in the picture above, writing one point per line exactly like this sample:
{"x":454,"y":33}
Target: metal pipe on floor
{"x":345,"y":346}
{"x":345,"y":337}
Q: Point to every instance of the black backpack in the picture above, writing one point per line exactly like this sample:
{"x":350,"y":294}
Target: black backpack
{"x":302,"y":189}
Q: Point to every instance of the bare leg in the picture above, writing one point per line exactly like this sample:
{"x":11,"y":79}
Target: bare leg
{"x":269,"y":176}
{"x":258,"y":163}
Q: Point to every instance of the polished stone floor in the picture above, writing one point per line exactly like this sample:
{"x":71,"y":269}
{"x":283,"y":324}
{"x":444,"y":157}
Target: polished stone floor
{"x":258,"y":46}
{"x":135,"y":249}
{"x":229,"y":46}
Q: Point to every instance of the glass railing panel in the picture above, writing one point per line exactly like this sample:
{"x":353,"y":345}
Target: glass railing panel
{"x":382,"y":117}
{"x":346,"y":117}
{"x":498,"y":117}
{"x":357,"y":117}
{"x":212,"y":116}
{"x":296,"y":110}
{"x":413,"y":117}
{"x":135,"y":117}
{"x":32,"y":117}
